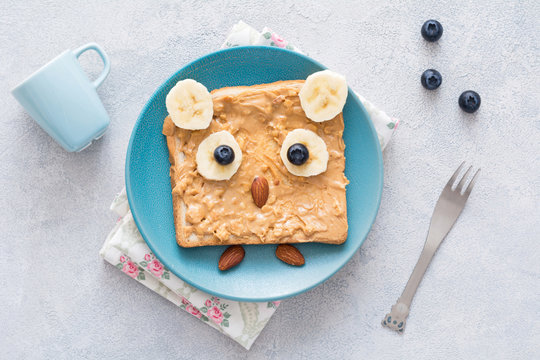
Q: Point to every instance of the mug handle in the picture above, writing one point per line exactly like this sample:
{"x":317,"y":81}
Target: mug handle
{"x":104,"y":58}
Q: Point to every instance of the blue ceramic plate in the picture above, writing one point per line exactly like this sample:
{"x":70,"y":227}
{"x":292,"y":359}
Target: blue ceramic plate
{"x":261,"y":276}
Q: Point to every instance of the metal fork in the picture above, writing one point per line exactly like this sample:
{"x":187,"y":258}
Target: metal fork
{"x":449,"y":206}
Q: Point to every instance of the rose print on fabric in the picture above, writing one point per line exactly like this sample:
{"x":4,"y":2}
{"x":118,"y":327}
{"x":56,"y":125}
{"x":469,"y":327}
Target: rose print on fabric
{"x":273,"y":304}
{"x":193,"y":311}
{"x":278,"y":41}
{"x":213,"y":310}
{"x":215,"y":314}
{"x":216,"y":311}
{"x":130,"y":268}
{"x":155,"y":266}
{"x":186,"y":305}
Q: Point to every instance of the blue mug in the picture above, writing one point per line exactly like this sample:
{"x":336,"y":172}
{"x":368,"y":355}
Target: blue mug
{"x":64,"y":102}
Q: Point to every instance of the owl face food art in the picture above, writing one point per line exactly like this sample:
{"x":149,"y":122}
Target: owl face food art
{"x":258,"y":137}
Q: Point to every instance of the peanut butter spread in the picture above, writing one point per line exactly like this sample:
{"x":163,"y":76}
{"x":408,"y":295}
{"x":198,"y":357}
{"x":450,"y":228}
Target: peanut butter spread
{"x":298,"y":209}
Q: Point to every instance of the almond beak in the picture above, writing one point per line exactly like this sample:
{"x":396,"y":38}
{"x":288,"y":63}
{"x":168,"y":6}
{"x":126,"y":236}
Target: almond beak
{"x":259,"y":191}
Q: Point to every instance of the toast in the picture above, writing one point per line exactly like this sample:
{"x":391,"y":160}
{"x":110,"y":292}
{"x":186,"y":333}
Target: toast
{"x":298,"y":209}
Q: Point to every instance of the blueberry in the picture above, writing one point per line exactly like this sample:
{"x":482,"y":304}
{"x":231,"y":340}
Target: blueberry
{"x":224,"y":155}
{"x":431,"y":79}
{"x":432,"y":30}
{"x":469,"y":101}
{"x":298,"y":154}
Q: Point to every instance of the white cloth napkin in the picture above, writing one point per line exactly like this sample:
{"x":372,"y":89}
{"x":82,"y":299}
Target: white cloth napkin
{"x":125,"y":248}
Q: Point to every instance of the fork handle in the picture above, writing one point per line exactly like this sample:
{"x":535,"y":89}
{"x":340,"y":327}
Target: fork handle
{"x":417,"y":274}
{"x":397,"y":317}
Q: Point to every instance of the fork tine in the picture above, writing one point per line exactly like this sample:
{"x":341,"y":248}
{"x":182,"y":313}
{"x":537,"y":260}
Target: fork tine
{"x":453,"y":178}
{"x":471,"y":184}
{"x":459,"y":187}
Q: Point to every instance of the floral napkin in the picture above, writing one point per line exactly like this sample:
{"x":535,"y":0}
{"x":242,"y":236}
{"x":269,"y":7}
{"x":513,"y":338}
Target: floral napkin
{"x":125,"y":248}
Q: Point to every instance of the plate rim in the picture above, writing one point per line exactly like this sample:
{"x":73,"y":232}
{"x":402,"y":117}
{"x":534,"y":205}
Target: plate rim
{"x":140,"y":227}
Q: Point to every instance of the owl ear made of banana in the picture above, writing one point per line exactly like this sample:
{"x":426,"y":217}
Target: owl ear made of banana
{"x":303,"y":152}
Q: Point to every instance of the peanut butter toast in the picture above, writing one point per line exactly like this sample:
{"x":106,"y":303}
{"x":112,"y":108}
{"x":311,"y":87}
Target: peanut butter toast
{"x":297,"y":209}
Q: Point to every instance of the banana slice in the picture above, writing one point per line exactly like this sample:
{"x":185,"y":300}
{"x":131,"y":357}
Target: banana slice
{"x":209,"y":161}
{"x":293,"y":151}
{"x":323,"y":95}
{"x":190,"y":105}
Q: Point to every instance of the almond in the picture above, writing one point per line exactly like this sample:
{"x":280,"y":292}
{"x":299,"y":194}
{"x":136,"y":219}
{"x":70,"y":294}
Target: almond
{"x":231,"y":257}
{"x":259,"y":191}
{"x":289,"y":254}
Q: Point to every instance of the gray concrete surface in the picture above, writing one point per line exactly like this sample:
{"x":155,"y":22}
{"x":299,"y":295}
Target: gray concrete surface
{"x":479,"y":299}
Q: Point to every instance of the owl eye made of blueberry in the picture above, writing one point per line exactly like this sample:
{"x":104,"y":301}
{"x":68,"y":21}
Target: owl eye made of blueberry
{"x":304,"y":153}
{"x":218,"y":156}
{"x":224,"y":154}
